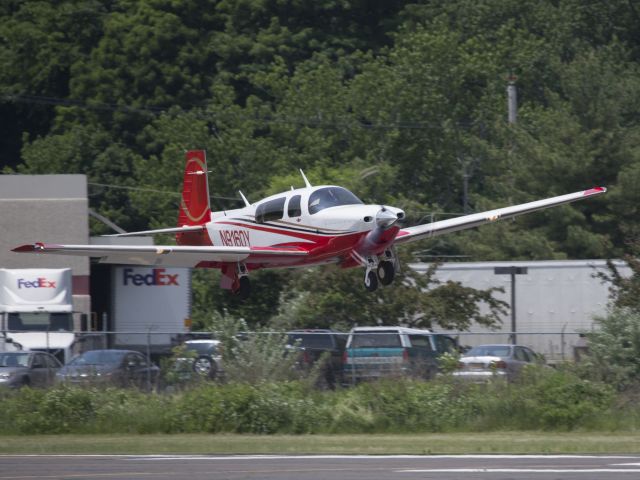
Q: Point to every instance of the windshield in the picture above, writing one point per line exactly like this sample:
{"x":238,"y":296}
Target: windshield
{"x":99,"y":357}
{"x":14,"y":359}
{"x":40,"y":322}
{"x":489,"y":351}
{"x":331,"y":197}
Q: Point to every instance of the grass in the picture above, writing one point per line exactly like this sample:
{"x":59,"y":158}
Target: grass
{"x":418,"y":444}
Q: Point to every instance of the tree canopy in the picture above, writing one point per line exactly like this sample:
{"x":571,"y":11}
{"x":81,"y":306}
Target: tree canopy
{"x":403,"y":102}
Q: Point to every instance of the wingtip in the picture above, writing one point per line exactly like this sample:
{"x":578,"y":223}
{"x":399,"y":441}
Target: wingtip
{"x":31,"y":247}
{"x":595,"y":191}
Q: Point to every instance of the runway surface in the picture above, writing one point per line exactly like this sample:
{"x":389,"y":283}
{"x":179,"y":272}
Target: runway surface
{"x":320,"y":467}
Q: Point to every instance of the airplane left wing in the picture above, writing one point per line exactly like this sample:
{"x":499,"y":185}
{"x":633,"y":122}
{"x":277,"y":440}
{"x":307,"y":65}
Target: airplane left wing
{"x":442,"y":227}
{"x":165,"y":255}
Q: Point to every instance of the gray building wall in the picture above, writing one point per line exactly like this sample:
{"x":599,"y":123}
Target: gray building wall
{"x":50,"y":209}
{"x":555,"y":301}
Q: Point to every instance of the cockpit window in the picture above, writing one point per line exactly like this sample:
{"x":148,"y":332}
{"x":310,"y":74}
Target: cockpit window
{"x":294,"y":206}
{"x":271,"y":210}
{"x":331,"y":197}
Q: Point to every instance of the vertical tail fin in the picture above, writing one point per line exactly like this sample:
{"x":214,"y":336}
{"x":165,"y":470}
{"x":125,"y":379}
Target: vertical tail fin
{"x":194,"y":207}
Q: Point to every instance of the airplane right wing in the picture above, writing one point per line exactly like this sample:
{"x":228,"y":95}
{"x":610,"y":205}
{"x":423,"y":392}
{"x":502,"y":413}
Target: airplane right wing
{"x":442,"y":227}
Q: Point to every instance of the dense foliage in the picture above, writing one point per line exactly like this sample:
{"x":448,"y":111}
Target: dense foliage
{"x":548,"y":400}
{"x":403,"y":102}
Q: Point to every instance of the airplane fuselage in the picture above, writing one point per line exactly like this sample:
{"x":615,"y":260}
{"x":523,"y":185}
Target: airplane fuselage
{"x":329,"y":222}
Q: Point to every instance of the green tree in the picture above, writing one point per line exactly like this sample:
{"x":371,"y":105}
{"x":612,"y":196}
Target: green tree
{"x":614,"y":349}
{"x":330,"y":297}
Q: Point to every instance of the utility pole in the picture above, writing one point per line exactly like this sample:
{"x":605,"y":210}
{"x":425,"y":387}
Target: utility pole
{"x":512,"y":99}
{"x":513,"y":271}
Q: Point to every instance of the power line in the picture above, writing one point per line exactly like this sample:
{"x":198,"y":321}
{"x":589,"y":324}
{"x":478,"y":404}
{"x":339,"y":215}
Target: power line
{"x":315,"y":122}
{"x":153,"y":190}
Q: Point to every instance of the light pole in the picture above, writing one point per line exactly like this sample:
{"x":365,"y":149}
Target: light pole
{"x":513,"y":271}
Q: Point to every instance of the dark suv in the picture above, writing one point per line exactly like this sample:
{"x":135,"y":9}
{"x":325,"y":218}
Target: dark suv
{"x":314,"y":345}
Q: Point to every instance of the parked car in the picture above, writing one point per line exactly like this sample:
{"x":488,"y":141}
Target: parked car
{"x":374,"y":352}
{"x":486,"y":362}
{"x":27,"y":369}
{"x":314,"y":345}
{"x":204,"y":357}
{"x":123,"y":368}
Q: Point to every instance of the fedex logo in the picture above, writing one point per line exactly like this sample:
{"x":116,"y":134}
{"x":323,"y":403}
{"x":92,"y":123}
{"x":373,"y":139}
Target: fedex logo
{"x":157,"y":277}
{"x":37,"y":283}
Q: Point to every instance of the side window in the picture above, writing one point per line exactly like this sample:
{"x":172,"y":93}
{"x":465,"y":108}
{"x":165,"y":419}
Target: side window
{"x":294,"y":209}
{"x":38,"y":361}
{"x":446,"y":344}
{"x":132,"y":360}
{"x":271,"y":210}
{"x":51,"y":362}
{"x":142,"y":360}
{"x":521,"y":355}
{"x":530,"y":355}
{"x":420,"y":341}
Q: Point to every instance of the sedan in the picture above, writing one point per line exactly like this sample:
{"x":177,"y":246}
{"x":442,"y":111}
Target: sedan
{"x":122,"y":368}
{"x":27,"y":369}
{"x":485,"y":362}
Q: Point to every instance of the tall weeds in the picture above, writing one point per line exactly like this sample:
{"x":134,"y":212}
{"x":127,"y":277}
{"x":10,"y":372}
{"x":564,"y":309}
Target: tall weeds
{"x":544,"y":399}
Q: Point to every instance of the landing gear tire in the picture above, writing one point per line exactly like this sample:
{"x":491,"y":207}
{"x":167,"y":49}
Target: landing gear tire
{"x":244,"y":288}
{"x":371,"y":281}
{"x":386,"y":272}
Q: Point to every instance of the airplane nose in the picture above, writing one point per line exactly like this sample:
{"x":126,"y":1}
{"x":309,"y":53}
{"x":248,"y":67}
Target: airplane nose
{"x":385,"y":217}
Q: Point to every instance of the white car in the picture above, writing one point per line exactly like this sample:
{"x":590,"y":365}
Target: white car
{"x":486,"y":362}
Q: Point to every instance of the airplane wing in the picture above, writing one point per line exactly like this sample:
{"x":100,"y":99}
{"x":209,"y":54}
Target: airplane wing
{"x":165,"y":255}
{"x":442,"y":227}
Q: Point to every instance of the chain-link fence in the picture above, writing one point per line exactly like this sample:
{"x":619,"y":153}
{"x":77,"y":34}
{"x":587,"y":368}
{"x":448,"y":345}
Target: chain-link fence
{"x":555,"y":346}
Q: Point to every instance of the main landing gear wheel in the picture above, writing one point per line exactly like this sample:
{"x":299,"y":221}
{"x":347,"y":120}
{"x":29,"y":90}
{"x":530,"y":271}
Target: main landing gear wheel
{"x":371,"y":281}
{"x":386,"y":272}
{"x":244,"y":288}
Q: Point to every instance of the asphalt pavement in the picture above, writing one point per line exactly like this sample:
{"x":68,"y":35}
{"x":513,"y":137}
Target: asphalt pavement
{"x":320,"y":467}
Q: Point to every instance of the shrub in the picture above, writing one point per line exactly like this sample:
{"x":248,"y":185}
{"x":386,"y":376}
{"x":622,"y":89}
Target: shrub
{"x":400,"y":405}
{"x":614,"y":350}
{"x":543,"y":398}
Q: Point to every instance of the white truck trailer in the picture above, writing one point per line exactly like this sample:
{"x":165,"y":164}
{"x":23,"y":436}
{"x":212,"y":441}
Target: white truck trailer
{"x":36,"y":311}
{"x":151,"y":307}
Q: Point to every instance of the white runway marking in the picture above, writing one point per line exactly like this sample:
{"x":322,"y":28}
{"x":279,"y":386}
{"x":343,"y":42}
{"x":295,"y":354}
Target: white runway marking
{"x":521,"y":470}
{"x":331,"y":457}
{"x":370,"y":457}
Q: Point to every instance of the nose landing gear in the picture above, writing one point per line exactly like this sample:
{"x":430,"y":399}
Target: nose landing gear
{"x":386,"y":272}
{"x":379,"y":272}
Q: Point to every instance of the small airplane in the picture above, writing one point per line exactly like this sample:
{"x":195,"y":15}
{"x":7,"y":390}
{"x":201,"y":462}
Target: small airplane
{"x":302,"y":227}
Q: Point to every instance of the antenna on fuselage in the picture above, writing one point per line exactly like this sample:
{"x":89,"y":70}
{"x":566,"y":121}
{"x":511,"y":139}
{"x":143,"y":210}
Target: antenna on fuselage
{"x":246,"y":202}
{"x":305,"y":179}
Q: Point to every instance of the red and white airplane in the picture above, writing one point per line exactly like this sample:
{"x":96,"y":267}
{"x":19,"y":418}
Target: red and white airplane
{"x":301,"y":227}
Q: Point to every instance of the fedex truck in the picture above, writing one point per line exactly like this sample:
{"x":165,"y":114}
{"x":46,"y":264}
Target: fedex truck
{"x":151,"y":307}
{"x":36,"y":311}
